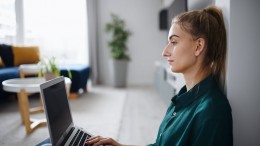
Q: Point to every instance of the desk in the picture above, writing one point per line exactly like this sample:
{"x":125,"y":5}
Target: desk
{"x":23,"y":87}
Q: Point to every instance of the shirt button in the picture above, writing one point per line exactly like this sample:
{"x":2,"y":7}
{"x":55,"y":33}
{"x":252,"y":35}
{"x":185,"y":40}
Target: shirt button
{"x":174,"y":114}
{"x":160,"y":134}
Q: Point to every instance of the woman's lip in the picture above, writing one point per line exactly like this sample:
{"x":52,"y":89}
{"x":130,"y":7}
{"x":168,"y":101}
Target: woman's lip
{"x":170,"y":61}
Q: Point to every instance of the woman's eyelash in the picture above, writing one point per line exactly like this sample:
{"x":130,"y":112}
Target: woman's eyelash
{"x":173,"y":43}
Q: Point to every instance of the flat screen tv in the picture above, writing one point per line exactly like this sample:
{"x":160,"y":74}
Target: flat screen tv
{"x":177,"y":7}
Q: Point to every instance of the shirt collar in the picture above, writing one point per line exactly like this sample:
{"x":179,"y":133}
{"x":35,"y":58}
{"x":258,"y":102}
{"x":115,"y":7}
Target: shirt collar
{"x":184,"y":97}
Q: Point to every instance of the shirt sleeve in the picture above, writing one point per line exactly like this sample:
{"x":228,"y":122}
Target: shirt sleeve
{"x":212,"y":132}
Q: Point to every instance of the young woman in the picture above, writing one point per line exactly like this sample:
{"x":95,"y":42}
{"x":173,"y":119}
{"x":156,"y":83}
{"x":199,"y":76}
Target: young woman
{"x":200,"y":114}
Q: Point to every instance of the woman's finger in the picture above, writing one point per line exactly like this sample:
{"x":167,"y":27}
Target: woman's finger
{"x":94,"y":139}
{"x":106,"y":141}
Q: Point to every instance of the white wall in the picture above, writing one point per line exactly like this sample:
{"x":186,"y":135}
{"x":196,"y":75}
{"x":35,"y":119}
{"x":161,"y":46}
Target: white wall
{"x":191,"y":4}
{"x":199,"y":4}
{"x":243,"y":69}
{"x":146,"y":43}
{"x":167,"y":3}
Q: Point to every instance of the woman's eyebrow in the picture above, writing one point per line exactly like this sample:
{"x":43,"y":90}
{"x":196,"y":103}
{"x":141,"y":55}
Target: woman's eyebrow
{"x":174,"y":35}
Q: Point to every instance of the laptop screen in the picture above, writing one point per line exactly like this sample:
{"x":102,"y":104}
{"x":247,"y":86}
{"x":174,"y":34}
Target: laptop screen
{"x":56,"y":108}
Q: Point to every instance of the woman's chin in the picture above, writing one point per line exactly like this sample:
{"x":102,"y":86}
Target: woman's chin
{"x":174,"y":70}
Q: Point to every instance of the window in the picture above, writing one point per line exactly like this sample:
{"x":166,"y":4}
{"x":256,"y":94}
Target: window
{"x":58,"y":27}
{"x":7,"y":21}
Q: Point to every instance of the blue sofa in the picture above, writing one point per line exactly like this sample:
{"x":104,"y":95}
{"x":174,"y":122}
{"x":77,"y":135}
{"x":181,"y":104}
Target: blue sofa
{"x":5,"y":74}
{"x":9,"y":62}
{"x":7,"y":68}
{"x":80,"y":75}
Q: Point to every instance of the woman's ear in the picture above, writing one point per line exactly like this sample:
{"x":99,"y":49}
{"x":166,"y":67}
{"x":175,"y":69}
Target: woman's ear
{"x":200,"y":45}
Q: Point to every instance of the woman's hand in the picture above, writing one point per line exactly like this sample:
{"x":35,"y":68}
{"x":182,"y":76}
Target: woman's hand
{"x":98,"y":140}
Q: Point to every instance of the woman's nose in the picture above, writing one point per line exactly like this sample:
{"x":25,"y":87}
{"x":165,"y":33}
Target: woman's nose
{"x":165,"y":52}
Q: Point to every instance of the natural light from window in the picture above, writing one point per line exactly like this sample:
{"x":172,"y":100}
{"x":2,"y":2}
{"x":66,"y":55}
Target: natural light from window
{"x":59,"y":28}
{"x":7,"y":21}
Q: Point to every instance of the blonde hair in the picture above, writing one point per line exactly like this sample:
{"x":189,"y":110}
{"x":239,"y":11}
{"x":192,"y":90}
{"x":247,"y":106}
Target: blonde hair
{"x":208,"y":24}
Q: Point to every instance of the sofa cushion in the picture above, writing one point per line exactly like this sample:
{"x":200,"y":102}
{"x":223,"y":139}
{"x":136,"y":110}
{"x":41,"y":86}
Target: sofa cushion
{"x":6,"y":54}
{"x":5,"y":74}
{"x":26,"y":55}
{"x":9,"y":73}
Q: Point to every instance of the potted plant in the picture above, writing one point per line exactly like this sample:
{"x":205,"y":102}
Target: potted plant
{"x":49,"y":69}
{"x":119,"y":54}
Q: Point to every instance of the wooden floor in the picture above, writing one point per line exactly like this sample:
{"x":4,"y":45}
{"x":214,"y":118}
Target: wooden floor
{"x":142,"y":115}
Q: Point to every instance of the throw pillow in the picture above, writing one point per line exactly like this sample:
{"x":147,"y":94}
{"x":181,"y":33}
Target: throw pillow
{"x":1,"y":63}
{"x":26,"y":55}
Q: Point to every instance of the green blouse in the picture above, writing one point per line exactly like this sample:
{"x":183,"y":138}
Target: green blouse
{"x":198,"y":117}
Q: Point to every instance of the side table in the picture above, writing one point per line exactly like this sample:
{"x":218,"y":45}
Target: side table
{"x":23,"y":87}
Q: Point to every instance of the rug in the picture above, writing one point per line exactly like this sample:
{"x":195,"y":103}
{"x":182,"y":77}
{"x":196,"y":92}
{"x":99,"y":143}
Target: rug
{"x":99,"y":112}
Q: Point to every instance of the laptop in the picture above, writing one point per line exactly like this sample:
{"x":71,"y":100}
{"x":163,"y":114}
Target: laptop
{"x":59,"y":120}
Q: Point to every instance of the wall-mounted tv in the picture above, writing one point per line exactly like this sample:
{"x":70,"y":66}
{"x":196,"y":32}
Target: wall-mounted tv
{"x":177,"y":7}
{"x":166,"y":14}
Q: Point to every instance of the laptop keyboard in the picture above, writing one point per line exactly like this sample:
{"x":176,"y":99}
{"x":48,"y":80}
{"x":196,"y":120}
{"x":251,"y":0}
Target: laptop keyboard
{"x":67,"y":136}
{"x":79,"y":138}
{"x":75,"y":136}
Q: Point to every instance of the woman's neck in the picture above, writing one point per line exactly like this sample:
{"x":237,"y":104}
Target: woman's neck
{"x":194,"y":78}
